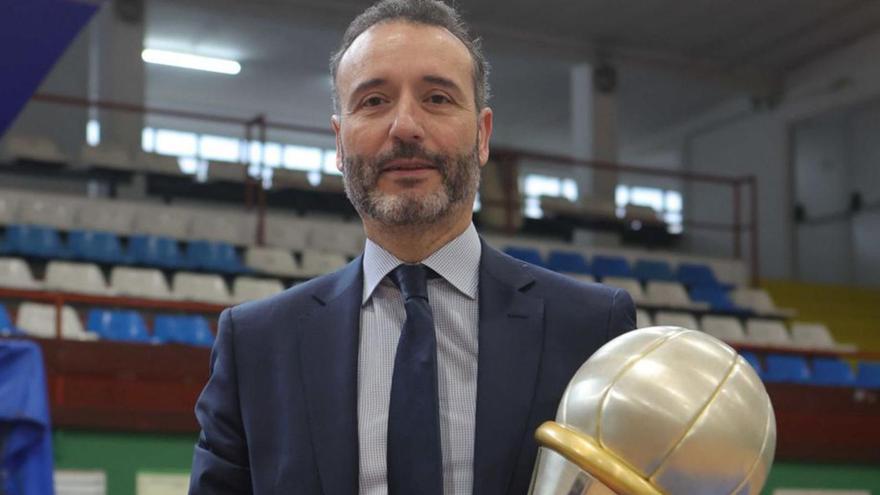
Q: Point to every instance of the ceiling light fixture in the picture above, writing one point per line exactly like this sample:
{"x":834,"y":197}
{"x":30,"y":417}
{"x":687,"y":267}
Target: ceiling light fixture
{"x":187,"y":61}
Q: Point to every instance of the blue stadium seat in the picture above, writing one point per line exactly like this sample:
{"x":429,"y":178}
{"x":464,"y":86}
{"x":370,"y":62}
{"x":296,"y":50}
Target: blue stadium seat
{"x":529,"y":255}
{"x":214,"y":257}
{"x":568,"y":262}
{"x":832,"y":372}
{"x":100,"y":247}
{"x":158,"y":251}
{"x":717,"y":299}
{"x":189,"y":330}
{"x":753,"y":360}
{"x":868,"y":375}
{"x":649,"y":270}
{"x":699,"y":275}
{"x":611,"y":266}
{"x":786,"y":369}
{"x":6,"y":327}
{"x":33,"y":240}
{"x":124,"y":326}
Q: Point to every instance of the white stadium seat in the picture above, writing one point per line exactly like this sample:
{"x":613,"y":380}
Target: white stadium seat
{"x":336,"y":237}
{"x":287,"y":232}
{"x":630,"y":285}
{"x":676,"y":319}
{"x":233,"y":227}
{"x":107,"y":156}
{"x":106,"y":216}
{"x":643,"y":319}
{"x":200,"y":287}
{"x":55,"y":212}
{"x":318,"y":263}
{"x":39,"y":148}
{"x":762,"y":331}
{"x":227,"y":172}
{"x":758,"y":300}
{"x":812,"y":336}
{"x":669,"y":294}
{"x":158,"y":164}
{"x":272,"y":261}
{"x":162,"y":221}
{"x":139,"y":282}
{"x":78,"y":278}
{"x":8,"y":208}
{"x":249,"y":288}
{"x":726,"y":328}
{"x":38,"y":320}
{"x":15,"y":274}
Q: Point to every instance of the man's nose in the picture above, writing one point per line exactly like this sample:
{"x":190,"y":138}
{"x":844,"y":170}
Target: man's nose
{"x":407,"y":124}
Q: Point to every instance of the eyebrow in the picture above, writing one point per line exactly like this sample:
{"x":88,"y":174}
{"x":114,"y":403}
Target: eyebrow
{"x":442,"y":81}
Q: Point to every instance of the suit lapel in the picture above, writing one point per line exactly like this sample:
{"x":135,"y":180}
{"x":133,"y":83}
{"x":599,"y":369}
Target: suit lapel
{"x":329,"y":354}
{"x":510,"y":346}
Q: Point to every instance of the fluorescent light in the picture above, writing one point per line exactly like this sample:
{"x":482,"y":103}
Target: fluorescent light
{"x":187,"y":61}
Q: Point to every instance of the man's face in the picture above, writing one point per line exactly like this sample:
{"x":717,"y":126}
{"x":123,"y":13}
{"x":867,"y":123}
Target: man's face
{"x":408,"y":137}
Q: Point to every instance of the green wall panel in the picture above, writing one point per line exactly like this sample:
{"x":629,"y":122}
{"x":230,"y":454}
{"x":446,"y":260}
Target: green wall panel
{"x":828,"y":476}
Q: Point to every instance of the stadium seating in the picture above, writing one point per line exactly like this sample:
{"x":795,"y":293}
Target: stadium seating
{"x":726,"y":328}
{"x":15,"y":274}
{"x":6,"y":326}
{"x":643,"y":319}
{"x":868,"y":375}
{"x":832,"y":372}
{"x":676,"y":319}
{"x":118,"y":325}
{"x":226,"y":171}
{"x":568,"y":262}
{"x":812,"y":336}
{"x":187,"y":330}
{"x":28,"y":147}
{"x":162,"y":222}
{"x":318,"y":263}
{"x":149,"y":250}
{"x":105,"y":216}
{"x":647,"y":270}
{"x":33,"y":240}
{"x":84,"y":278}
{"x":272,"y":261}
{"x":106,"y":156}
{"x":158,"y":164}
{"x":716,"y":298}
{"x":213,"y":256}
{"x":630,"y":285}
{"x":100,"y":247}
{"x":611,"y":266}
{"x":232,"y":227}
{"x":8,"y":208}
{"x":46,"y":212}
{"x":38,"y":320}
{"x":761,"y":331}
{"x":529,"y":255}
{"x":756,"y":300}
{"x":249,"y":288}
{"x":698,"y":275}
{"x":754,"y":362}
{"x":335,"y":237}
{"x":287,"y":232}
{"x":669,"y":294}
{"x":200,"y":287}
{"x":786,"y":369}
{"x":139,"y":282}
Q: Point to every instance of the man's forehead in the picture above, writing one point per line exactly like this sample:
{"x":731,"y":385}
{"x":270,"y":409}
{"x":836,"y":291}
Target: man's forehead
{"x":387,"y":38}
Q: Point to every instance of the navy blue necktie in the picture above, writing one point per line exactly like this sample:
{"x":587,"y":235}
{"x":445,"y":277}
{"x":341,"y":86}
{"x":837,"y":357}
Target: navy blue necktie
{"x":415,"y":461}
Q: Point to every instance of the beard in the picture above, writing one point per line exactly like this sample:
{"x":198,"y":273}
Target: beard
{"x":460,"y":179}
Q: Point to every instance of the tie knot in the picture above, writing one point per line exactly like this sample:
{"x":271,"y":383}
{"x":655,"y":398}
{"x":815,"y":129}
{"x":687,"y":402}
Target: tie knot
{"x":412,"y":280}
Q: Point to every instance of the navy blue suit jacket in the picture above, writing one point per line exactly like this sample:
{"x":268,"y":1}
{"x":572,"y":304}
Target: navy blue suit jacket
{"x":279,"y":413}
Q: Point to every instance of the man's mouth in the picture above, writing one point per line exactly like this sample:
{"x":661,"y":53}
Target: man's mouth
{"x":407,"y":165}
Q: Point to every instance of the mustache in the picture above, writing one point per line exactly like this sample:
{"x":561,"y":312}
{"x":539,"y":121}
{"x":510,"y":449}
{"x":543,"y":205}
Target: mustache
{"x":410,"y":151}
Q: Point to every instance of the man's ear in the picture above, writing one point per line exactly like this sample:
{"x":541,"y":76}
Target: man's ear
{"x":334,"y":124}
{"x":484,"y":133}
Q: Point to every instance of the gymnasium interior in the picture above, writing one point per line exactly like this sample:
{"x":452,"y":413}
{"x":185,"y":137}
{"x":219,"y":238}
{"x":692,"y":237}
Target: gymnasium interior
{"x":719,"y":160}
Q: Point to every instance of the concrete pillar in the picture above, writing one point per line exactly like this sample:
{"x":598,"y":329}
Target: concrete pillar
{"x":594,"y":126}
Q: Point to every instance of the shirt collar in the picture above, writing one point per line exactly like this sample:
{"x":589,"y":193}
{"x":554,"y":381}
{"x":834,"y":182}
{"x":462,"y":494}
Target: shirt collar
{"x":457,"y":262}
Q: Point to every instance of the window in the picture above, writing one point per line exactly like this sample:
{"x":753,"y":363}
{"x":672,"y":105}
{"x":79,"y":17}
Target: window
{"x":219,"y":148}
{"x":535,"y":186}
{"x":93,"y":133}
{"x":667,"y":203}
{"x":330,"y":163}
{"x":302,"y":158}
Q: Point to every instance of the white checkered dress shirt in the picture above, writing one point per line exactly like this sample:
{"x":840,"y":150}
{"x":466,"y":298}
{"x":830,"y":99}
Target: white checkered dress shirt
{"x":455,"y":305}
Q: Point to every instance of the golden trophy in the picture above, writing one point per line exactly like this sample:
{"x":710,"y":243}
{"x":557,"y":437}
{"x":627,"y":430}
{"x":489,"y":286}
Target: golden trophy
{"x":659,"y":411}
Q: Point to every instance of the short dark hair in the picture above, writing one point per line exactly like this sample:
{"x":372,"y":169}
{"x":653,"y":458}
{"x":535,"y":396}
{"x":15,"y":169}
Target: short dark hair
{"x":428,"y":12}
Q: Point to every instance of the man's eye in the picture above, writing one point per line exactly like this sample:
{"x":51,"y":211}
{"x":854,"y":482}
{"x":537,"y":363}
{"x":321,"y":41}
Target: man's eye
{"x":372,"y":101}
{"x":439,"y":99}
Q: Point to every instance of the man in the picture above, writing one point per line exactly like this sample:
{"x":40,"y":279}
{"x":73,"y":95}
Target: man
{"x":425,"y":365}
